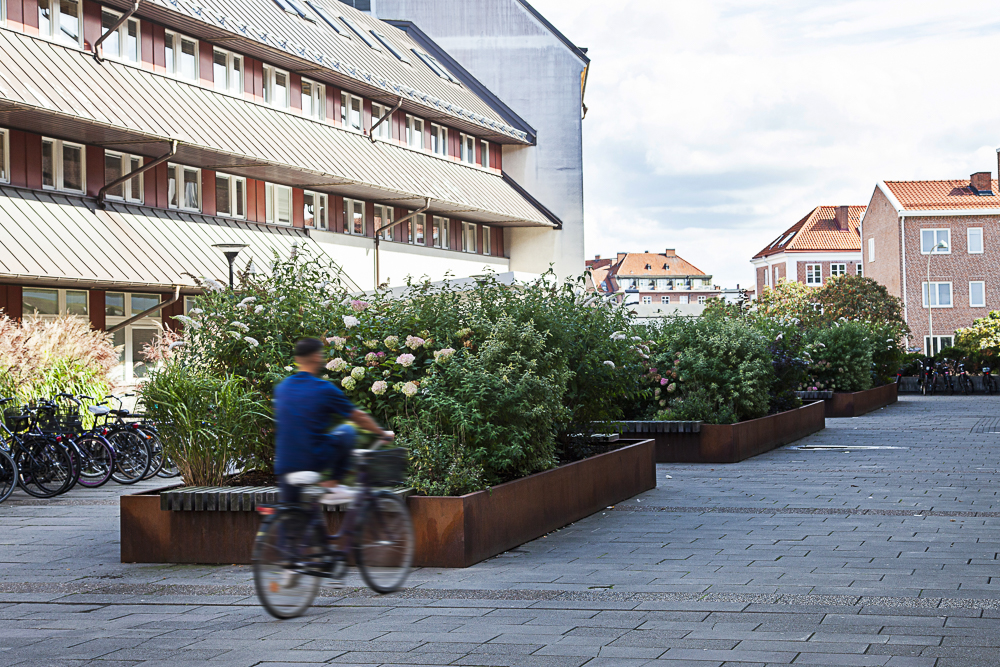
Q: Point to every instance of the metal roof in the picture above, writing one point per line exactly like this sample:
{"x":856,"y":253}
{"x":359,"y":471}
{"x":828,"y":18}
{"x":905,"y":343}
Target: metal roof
{"x":263,"y":30}
{"x":56,"y":239}
{"x":65,"y":93}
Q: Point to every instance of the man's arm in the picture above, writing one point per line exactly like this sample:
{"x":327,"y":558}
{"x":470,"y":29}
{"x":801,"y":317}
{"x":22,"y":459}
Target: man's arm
{"x":365,"y":421}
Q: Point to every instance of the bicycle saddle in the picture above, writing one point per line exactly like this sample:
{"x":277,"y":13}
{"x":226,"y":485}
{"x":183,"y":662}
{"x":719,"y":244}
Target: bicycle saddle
{"x":98,"y":410}
{"x":303,"y":478}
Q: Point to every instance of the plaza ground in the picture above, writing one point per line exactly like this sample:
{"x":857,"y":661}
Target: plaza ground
{"x":883,"y":554}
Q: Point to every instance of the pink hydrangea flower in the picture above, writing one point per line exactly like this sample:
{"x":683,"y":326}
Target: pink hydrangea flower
{"x":405,"y":360}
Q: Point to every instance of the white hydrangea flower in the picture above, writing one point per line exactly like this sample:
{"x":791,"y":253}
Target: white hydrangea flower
{"x":350,"y":321}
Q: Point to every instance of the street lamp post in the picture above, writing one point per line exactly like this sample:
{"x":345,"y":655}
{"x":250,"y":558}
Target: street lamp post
{"x":230,"y":250}
{"x":930,"y":308}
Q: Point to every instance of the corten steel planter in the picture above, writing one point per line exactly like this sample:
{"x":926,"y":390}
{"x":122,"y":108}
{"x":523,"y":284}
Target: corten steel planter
{"x":451,"y":531}
{"x":731,"y":443}
{"x":857,"y":403}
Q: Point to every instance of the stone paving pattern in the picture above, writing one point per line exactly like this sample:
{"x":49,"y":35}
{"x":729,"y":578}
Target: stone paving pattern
{"x":882,"y":557}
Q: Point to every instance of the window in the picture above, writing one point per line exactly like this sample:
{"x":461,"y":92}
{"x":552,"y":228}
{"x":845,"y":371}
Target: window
{"x":117,"y":165}
{"x":439,"y":139}
{"x":60,"y":20}
{"x":383,"y":131}
{"x":278,"y":202}
{"x":977,"y":294}
{"x":487,"y":245}
{"x":38,"y":301}
{"x":647,"y":300}
{"x":62,"y":166}
{"x":4,"y":157}
{"x":871,"y":250}
{"x":277,"y":92}
{"x":133,"y":338}
{"x":484,"y":153}
{"x":183,"y":187}
{"x":661,"y":284}
{"x":701,"y":300}
{"x":230,"y":195}
{"x":294,"y":7}
{"x":354,"y":217}
{"x":182,"y":56}
{"x":646,"y":284}
{"x":327,"y":18}
{"x":441,"y":232}
{"x":468,"y":147}
{"x":940,"y":295}
{"x":435,"y":66}
{"x":227,"y":71}
{"x":315,"y":208}
{"x":469,"y":237}
{"x":930,"y":237}
{"x":814,"y":274}
{"x":313,"y":100}
{"x":665,"y":300}
{"x":123,"y":43}
{"x":684,"y":298}
{"x":975,"y":237}
{"x":940,"y":342}
{"x":350,"y":111}
{"x":390,"y":47}
{"x":361,"y":33}
{"x":419,"y":224}
{"x":414,"y":132}
{"x":383,"y":216}
{"x":838,"y":270}
{"x":857,"y":269}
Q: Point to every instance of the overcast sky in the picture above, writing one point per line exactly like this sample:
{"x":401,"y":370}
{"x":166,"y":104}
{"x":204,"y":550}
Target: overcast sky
{"x":714,"y":125}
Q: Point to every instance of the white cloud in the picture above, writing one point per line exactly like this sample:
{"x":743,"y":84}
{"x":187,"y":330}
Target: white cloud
{"x":714,"y":125}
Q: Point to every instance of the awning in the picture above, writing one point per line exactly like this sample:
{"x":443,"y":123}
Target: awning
{"x":62,"y":240}
{"x":131,"y":109}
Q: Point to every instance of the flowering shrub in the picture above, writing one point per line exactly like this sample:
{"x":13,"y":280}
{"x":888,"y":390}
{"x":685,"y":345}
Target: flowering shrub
{"x":980,"y":341}
{"x":841,"y":357}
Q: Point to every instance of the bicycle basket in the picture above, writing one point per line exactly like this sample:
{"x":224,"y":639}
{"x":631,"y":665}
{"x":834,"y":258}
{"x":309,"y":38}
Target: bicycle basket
{"x":386,"y":467}
{"x":59,"y":420}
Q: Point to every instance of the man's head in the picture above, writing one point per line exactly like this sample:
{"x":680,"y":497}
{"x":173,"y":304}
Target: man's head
{"x":309,"y":355}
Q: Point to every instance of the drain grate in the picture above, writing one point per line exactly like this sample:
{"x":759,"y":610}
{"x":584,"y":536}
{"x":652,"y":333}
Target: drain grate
{"x":987,"y":425}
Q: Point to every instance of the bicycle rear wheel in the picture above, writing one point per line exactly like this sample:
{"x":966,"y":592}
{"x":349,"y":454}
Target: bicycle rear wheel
{"x":157,"y":459}
{"x":284,"y":546}
{"x":131,"y":457}
{"x":383,"y":547}
{"x":45,"y":467}
{"x":97,"y":461}
{"x":8,"y":475}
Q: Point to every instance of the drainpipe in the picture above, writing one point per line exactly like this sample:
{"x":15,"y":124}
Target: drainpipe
{"x":98,"y":52}
{"x":378,"y":232}
{"x":371,"y":132}
{"x":132,"y":174}
{"x":148,"y":311}
{"x":902,"y":244}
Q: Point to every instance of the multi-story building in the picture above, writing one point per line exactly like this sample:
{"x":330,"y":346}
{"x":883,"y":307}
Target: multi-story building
{"x":826,"y":242}
{"x":654,"y":281}
{"x":936,"y":245}
{"x":136,"y":136}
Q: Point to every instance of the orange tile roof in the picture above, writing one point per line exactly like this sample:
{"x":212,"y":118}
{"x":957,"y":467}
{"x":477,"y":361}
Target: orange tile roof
{"x":634,"y":265}
{"x":938,"y":195}
{"x":818,"y":232}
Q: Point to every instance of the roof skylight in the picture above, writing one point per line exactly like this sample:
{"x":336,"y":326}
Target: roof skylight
{"x":295,"y":7}
{"x":392,"y":49}
{"x":435,"y":66}
{"x":360,"y":33}
{"x":327,"y":18}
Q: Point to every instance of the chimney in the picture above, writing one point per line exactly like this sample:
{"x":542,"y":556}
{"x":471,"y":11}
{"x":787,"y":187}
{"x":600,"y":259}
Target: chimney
{"x":841,"y":215}
{"x":670,"y":252}
{"x":981,"y":183}
{"x":596,"y":257}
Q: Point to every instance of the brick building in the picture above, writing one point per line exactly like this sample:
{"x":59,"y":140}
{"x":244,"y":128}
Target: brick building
{"x":135,"y":136}
{"x":906,"y":220}
{"x":661,"y":279}
{"x":824,"y":243}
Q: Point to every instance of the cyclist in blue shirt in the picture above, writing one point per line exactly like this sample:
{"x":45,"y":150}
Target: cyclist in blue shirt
{"x":305,"y":405}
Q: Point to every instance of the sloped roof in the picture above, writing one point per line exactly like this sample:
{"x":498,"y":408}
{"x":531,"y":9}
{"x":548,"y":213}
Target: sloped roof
{"x":263,"y":30}
{"x":818,"y":232}
{"x":633,"y":265}
{"x":940,"y":195}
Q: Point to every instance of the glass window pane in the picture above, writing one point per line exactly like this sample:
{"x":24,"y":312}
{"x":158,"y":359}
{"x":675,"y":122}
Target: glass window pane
{"x":236,"y":75}
{"x":171,"y":61}
{"x":44,"y":18}
{"x":118,"y":340}
{"x":69,"y":21}
{"x":241,"y":197}
{"x":356,"y":113}
{"x":223,"y":197}
{"x":321,"y":221}
{"x":76,"y":302}
{"x":191,"y":189}
{"x":307,"y":109}
{"x":976,"y":297}
{"x":112,"y":44}
{"x":112,"y":172}
{"x":220,"y":70}
{"x":135,"y":183}
{"x":975,"y":240}
{"x":141,"y":338}
{"x":280,"y":90}
{"x":132,"y":41}
{"x":944,"y":294}
{"x":943,"y":237}
{"x":41,"y":301}
{"x":73,"y":167}
{"x":418,"y":226}
{"x":486,"y":247}
{"x":4,"y":176}
{"x":359,"y":218}
{"x":114,"y":305}
{"x":172,"y":186}
{"x":309,"y":209}
{"x":141,"y":302}
{"x":188,"y":65}
{"x":48,"y":164}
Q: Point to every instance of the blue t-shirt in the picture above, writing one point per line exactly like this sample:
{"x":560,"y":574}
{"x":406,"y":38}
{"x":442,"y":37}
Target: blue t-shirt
{"x":304,"y":408}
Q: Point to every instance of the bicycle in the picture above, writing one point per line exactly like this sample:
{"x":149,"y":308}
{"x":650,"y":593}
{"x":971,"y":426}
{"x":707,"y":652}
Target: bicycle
{"x":964,"y":381}
{"x":44,"y":466}
{"x":94,"y":457}
{"x":989,"y":384}
{"x":946,"y":374}
{"x":293,"y":551}
{"x":928,"y":376}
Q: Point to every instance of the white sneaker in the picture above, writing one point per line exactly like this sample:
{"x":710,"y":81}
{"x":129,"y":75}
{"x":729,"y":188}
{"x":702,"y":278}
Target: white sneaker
{"x":338,"y":495}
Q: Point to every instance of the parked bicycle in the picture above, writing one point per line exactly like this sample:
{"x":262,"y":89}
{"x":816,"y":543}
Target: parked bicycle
{"x":293,"y":552}
{"x":989,"y":382}
{"x":964,"y":380}
{"x":928,"y":376}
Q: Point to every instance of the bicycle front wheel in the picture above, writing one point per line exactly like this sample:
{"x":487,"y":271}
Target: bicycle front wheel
{"x":284,"y":544}
{"x":132,"y":457}
{"x":8,"y":475}
{"x":44,"y":467}
{"x":98,"y":461}
{"x":383,"y":547}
